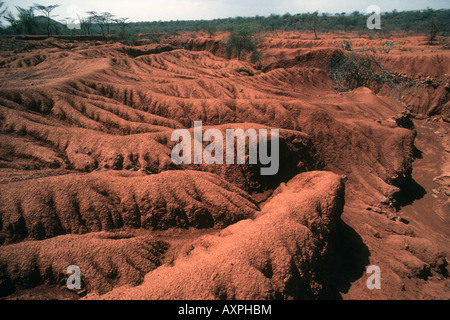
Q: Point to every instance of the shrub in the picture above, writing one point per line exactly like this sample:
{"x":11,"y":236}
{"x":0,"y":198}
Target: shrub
{"x":432,"y":33}
{"x":387,"y":46}
{"x":211,"y":28}
{"x":47,"y":11}
{"x":346,"y":45}
{"x":241,"y":40}
{"x":351,"y":71}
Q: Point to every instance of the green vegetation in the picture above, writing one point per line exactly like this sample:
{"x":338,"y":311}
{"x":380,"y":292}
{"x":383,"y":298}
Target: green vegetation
{"x":27,"y":20}
{"x":431,"y":22}
{"x":387,"y":46}
{"x":2,"y":11}
{"x":242,"y":39}
{"x":433,"y":32}
{"x":354,"y":70}
{"x":47,"y":11}
{"x":346,"y":45}
{"x":315,"y":23}
{"x":211,"y":29}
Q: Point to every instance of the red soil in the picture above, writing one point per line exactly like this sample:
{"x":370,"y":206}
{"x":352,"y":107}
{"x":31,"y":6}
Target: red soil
{"x":85,"y":147}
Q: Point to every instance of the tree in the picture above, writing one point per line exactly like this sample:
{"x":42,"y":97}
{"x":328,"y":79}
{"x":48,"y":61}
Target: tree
{"x":314,"y":22}
{"x":122,"y":25}
{"x":103,"y":20}
{"x":432,"y":32}
{"x":108,"y":20}
{"x":15,"y":25}
{"x":273,"y":21}
{"x":99,"y":20}
{"x":27,"y":23}
{"x":47,"y":11}
{"x":85,"y":25}
{"x":241,"y":40}
{"x":211,"y":28}
{"x":2,"y":12}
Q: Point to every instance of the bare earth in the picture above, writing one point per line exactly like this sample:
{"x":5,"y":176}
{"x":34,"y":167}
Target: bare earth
{"x":86,"y":176}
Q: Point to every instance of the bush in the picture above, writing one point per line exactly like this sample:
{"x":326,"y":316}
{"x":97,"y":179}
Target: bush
{"x":387,"y":46}
{"x":131,"y":39}
{"x":432,"y":33}
{"x":211,"y":29}
{"x":346,"y":45}
{"x":351,"y":71}
{"x":241,"y":40}
{"x":256,"y":56}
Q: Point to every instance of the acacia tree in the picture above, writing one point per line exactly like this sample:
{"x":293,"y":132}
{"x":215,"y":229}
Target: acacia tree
{"x":85,"y":25}
{"x":241,"y":40}
{"x":122,"y":25}
{"x":47,"y":11}
{"x":2,"y":12}
{"x":211,"y":28}
{"x":27,"y":23}
{"x":103,"y":20}
{"x":432,"y":32}
{"x":108,"y":20}
{"x":314,"y":22}
{"x":12,"y":21}
{"x":99,"y":20}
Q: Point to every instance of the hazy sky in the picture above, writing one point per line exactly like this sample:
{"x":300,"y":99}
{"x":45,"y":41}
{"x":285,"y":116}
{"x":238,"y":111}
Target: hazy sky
{"x":151,"y":10}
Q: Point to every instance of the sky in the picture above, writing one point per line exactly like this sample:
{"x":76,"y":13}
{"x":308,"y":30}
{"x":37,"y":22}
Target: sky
{"x":155,"y":10}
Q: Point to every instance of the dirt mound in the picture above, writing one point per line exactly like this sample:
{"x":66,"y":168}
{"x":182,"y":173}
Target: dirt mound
{"x":281,"y":254}
{"x":47,"y":207}
{"x":105,"y":259}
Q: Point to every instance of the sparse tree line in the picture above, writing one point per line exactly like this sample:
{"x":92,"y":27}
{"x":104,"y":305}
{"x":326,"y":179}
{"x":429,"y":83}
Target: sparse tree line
{"x":40,"y":20}
{"x":27,"y":21}
{"x":408,"y":21}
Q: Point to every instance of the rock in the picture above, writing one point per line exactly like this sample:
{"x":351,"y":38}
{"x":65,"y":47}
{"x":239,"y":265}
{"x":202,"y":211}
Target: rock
{"x":375,"y":209}
{"x":435,"y":191}
{"x":385,"y":200}
{"x":393,"y":216}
